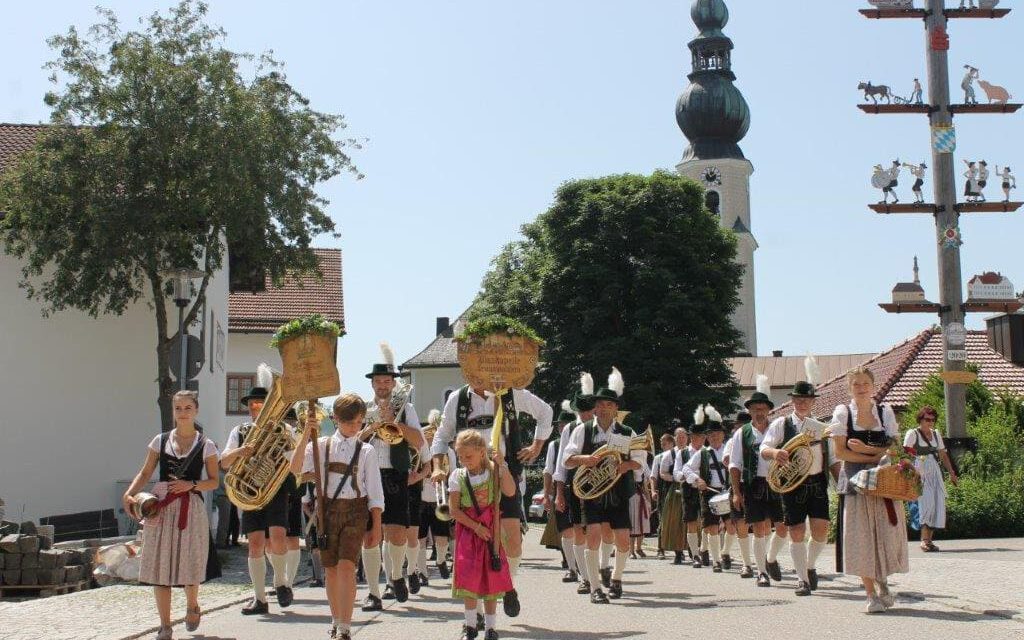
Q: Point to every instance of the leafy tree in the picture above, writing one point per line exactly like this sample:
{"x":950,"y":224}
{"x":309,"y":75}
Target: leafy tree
{"x":933,"y":393}
{"x":164,"y":150}
{"x":629,"y":271}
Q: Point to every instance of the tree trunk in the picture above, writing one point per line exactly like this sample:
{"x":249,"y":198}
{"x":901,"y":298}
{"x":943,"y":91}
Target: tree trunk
{"x":165,"y":385}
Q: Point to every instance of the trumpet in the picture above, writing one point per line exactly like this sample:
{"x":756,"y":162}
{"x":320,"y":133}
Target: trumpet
{"x":593,"y":482}
{"x":443,"y":512}
{"x":389,"y":432}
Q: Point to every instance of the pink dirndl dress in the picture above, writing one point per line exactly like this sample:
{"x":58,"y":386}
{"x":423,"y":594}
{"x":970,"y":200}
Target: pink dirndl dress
{"x":474,"y":577}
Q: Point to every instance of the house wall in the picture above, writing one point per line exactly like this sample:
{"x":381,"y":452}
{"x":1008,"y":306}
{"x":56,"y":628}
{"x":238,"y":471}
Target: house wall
{"x":245,"y":352}
{"x":80,"y":399}
{"x":429,"y":386}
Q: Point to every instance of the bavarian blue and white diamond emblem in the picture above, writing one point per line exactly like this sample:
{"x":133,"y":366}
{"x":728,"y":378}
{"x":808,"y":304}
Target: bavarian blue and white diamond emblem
{"x":944,"y":139}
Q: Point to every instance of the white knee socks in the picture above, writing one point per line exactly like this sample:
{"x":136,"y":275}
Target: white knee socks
{"x":441,"y":544}
{"x":570,"y":558}
{"x":606,"y":553}
{"x":396,"y":555}
{"x":814,"y":550}
{"x":716,"y":547}
{"x":412,"y":557}
{"x":694,"y":540}
{"x":798,"y":550}
{"x":513,"y":565}
{"x":745,"y":551}
{"x":730,"y":539}
{"x":579,"y":551}
{"x":280,"y":565}
{"x":371,"y":567}
{"x":292,"y":559}
{"x":620,"y":564}
{"x":594,"y":567}
{"x":258,"y":575}
{"x":421,"y":557}
{"x":775,"y":546}
{"x":759,"y":554}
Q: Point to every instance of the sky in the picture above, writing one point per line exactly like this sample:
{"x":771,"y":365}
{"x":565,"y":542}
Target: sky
{"x":474,"y":113}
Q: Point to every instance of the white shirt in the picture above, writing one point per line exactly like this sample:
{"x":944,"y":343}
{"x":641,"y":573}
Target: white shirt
{"x":679,"y":473}
{"x":643,"y":472}
{"x":578,"y":436}
{"x":774,"y":438}
{"x":455,"y":481}
{"x":839,"y":415}
{"x":691,"y":470}
{"x":341,"y":451}
{"x":484,"y":406}
{"x":234,"y":437}
{"x":429,"y":491}
{"x":667,"y":465}
{"x":560,"y":471}
{"x":729,"y":446}
{"x":551,"y":458}
{"x":382,"y":448}
{"x":736,"y":457}
{"x":656,"y":464}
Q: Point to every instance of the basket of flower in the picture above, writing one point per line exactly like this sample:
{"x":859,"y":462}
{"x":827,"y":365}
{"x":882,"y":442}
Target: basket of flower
{"x":497,"y":353}
{"x":308,"y":348}
{"x":896,"y":481}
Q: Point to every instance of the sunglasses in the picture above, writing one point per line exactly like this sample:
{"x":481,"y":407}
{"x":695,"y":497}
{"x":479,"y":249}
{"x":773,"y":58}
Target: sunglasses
{"x":927,"y":419}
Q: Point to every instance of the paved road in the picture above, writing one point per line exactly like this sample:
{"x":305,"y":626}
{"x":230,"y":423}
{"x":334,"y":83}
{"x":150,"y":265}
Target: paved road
{"x":972,"y":581}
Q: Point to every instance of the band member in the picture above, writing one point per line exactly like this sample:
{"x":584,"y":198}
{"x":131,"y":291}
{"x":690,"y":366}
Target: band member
{"x":176,"y":542}
{"x":472,"y":493}
{"x":399,"y":498}
{"x":659,"y":489}
{"x":474,"y":409}
{"x":293,"y":534}
{"x":563,"y":524}
{"x":567,"y":501}
{"x":708,"y":474}
{"x":439,"y":530}
{"x":696,"y":435}
{"x":353,"y":502}
{"x":810,"y":499}
{"x":874,"y":530}
{"x":272,"y":518}
{"x":731,"y":532}
{"x":673,"y":525}
{"x":608,"y":514}
{"x":748,"y":473}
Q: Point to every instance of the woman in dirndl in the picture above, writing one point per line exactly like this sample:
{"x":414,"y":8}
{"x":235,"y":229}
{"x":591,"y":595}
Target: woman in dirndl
{"x":639,"y":513}
{"x":672,"y":535}
{"x":874,"y":530}
{"x":926,"y":444}
{"x":176,"y":542}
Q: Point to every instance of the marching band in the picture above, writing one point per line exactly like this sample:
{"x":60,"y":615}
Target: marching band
{"x":387,"y":486}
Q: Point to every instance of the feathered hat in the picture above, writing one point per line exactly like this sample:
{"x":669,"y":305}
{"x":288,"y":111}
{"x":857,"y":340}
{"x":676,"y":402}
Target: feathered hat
{"x":566,"y":414}
{"x":714,"y":418}
{"x":699,"y":418}
{"x":583,"y":400}
{"x":613,"y":392}
{"x":805,"y":388}
{"x":264,"y":380}
{"x":387,"y":367}
{"x":761,"y":395}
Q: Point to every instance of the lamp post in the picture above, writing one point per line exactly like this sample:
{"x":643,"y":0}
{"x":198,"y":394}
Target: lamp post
{"x":182,"y":279}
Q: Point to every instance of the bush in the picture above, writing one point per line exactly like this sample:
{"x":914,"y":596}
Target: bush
{"x":980,"y":508}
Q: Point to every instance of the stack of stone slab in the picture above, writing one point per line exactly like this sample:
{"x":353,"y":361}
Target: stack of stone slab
{"x":28,"y":559}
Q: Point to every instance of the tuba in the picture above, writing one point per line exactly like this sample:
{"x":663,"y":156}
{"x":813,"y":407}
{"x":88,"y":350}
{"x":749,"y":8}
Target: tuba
{"x":252,"y":482}
{"x":389,"y":432}
{"x":593,"y":482}
{"x":783,"y":478}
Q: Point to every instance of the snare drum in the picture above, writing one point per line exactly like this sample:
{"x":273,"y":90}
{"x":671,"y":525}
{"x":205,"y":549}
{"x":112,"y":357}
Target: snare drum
{"x":720,"y":504}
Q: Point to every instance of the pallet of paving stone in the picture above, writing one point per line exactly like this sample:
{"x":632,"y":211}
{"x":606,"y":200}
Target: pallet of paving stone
{"x":19,"y":592}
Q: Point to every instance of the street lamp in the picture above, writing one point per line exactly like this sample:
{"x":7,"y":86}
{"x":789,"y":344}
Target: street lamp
{"x":182,"y":279}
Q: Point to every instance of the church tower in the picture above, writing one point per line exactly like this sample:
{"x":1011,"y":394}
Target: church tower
{"x":714,"y":117}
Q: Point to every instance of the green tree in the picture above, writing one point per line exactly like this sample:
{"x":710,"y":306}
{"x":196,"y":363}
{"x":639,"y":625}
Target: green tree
{"x":629,"y":271}
{"x":165,"y":150}
{"x":933,"y":394}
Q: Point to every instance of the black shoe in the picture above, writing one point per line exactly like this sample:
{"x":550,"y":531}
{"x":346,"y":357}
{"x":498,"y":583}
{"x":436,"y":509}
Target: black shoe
{"x":510,"y":603}
{"x":284,"y":596}
{"x":812,"y":577}
{"x":491,"y":635}
{"x":479,"y":622}
{"x":334,"y":632}
{"x":763,"y":581}
{"x":775,"y":571}
{"x":584,"y":588}
{"x":389,"y":592}
{"x":705,"y":558}
{"x":272,"y":591}
{"x":344,"y":636}
{"x":661,"y":554}
{"x":606,"y":576}
{"x":317,"y":584}
{"x":717,"y":568}
{"x":401,"y":591}
{"x":570,"y":576}
{"x":372,"y":603}
{"x":442,"y":568}
{"x":422,"y":577}
{"x":697,"y":564}
{"x":803,"y":589}
{"x":747,"y":571}
{"x":679,"y":558}
{"x":615,"y":590}
{"x":255,"y":607}
{"x":597,"y":597}
{"x":468,"y":633}
{"x":726,"y":561}
{"x":414,"y":583}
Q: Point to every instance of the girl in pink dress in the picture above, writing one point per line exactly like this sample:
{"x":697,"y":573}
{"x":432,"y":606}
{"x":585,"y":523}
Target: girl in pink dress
{"x":473,"y":496}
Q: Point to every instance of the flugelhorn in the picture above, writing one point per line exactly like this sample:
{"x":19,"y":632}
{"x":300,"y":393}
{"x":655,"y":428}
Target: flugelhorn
{"x":389,"y":432}
{"x":593,"y":482}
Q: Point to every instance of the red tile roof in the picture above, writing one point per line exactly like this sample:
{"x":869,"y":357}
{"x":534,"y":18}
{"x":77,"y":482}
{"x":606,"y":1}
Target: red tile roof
{"x":900,"y":371}
{"x":265,"y":311}
{"x":16,"y":139}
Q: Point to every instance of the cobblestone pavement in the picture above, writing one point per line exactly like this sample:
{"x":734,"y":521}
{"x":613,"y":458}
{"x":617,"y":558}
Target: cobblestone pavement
{"x":971,"y":581}
{"x":120,"y":612}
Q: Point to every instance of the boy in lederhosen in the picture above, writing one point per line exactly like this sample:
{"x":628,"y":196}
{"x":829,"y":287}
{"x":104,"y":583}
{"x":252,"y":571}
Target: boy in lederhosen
{"x":565,"y":500}
{"x":697,"y":434}
{"x":707,"y":473}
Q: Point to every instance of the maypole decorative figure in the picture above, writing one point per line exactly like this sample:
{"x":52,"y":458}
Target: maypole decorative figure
{"x":971,"y":191}
{"x":967,"y":84}
{"x":995,"y":93}
{"x":982,"y":4}
{"x":915,"y":95}
{"x":887,"y":180}
{"x":1009,"y":181}
{"x":918,"y":171}
{"x":982,"y":180}
{"x":873,"y":90}
{"x":893,"y":4}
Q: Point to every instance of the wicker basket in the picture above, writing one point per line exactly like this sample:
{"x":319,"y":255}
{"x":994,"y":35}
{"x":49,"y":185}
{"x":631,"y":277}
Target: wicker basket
{"x":893,"y":484}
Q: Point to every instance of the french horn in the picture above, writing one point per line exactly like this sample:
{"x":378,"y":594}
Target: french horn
{"x":593,"y":482}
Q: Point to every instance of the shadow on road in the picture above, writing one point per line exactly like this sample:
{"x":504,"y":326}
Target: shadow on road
{"x":540,"y":633}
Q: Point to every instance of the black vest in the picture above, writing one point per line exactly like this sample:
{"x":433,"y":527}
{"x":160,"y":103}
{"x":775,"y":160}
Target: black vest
{"x":188,"y":468}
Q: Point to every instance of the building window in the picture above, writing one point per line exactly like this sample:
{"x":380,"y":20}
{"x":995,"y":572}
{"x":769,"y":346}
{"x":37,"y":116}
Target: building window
{"x":713,"y":202}
{"x":239,"y":385}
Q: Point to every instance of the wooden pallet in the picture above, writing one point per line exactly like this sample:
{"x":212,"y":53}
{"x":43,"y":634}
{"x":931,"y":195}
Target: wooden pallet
{"x":11,"y":592}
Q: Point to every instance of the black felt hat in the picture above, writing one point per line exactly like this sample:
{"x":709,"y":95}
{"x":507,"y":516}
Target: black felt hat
{"x":384,"y":369}
{"x":582,"y":402}
{"x":759,"y":398}
{"x":256,"y":393}
{"x":803,"y":389}
{"x":606,"y":394}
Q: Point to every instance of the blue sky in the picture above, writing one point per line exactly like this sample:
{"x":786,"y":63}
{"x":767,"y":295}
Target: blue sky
{"x":476,"y":111}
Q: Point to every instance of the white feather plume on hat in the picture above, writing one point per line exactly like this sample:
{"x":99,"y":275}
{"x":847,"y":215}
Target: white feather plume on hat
{"x":616,"y":383}
{"x":586,"y":384}
{"x":387,"y":354}
{"x":712,"y":413}
{"x":698,"y":415}
{"x":812,"y":370}
{"x":762,"y":384}
{"x":264,"y":376}
{"x":434,"y":417}
{"x":566,"y":406}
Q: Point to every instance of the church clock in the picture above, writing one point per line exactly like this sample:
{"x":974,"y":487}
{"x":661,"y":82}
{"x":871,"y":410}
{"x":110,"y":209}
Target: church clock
{"x":712,"y":176}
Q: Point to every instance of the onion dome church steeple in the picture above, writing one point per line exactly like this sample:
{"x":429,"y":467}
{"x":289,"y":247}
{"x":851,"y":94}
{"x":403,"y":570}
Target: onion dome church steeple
{"x":714,"y":117}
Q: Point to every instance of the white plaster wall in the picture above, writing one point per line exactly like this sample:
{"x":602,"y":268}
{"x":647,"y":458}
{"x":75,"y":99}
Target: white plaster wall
{"x":80,"y":400}
{"x":429,"y":386}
